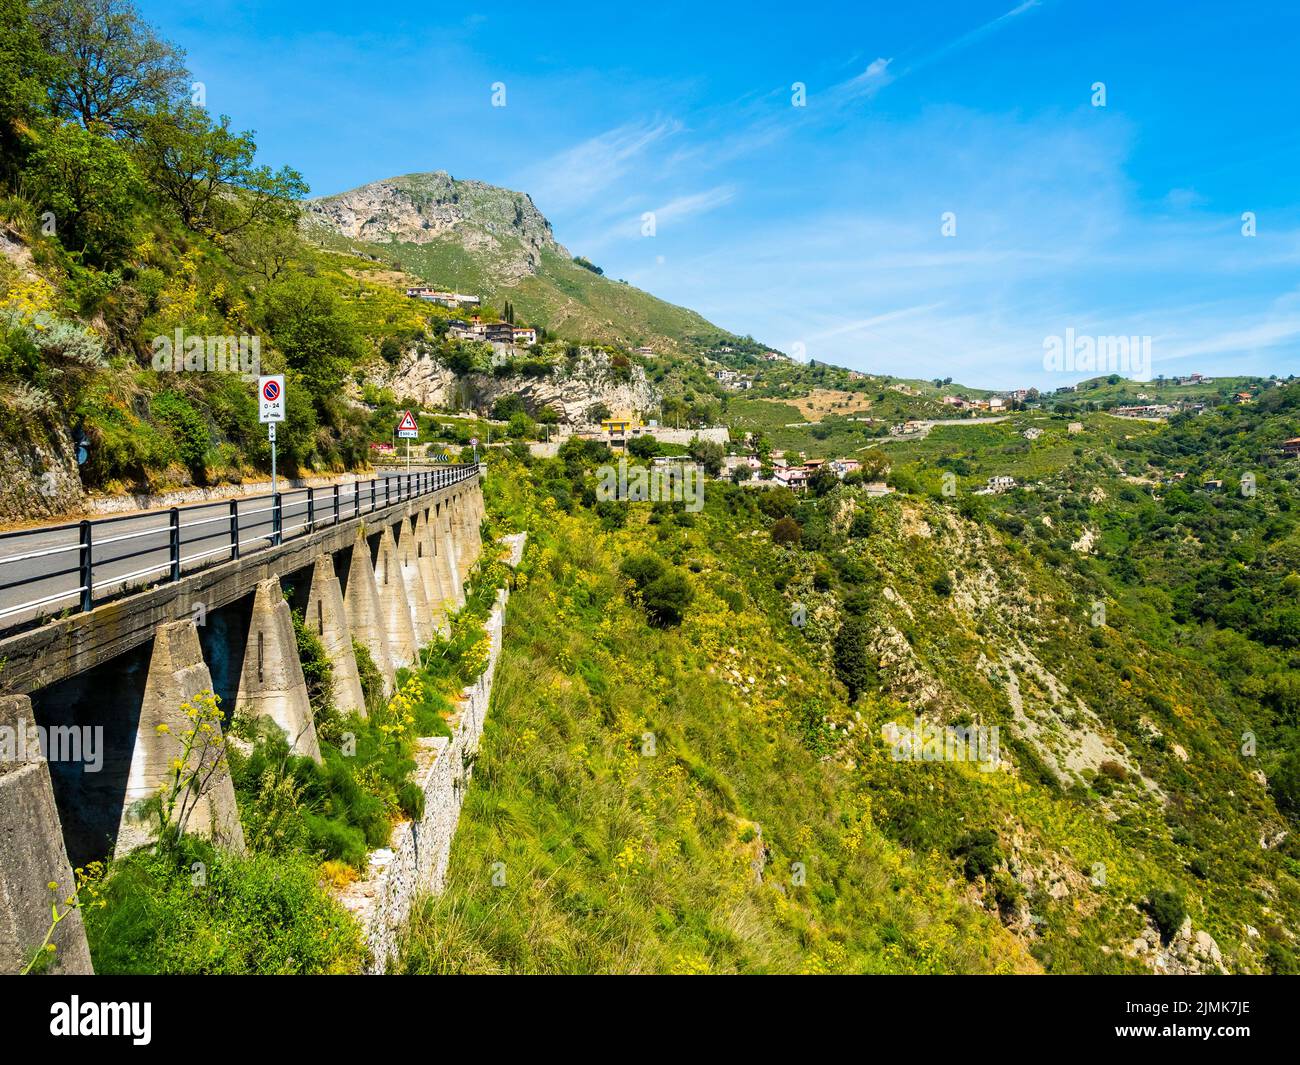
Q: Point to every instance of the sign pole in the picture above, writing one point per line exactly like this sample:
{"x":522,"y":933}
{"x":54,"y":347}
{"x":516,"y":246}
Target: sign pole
{"x":271,"y":409}
{"x":275,"y":493}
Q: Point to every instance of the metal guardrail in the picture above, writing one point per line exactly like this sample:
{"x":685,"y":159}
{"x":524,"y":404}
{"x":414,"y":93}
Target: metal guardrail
{"x":183,"y":539}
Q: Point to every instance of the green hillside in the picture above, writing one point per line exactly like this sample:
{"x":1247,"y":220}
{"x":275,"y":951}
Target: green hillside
{"x":493,"y":243}
{"x":1128,"y":828}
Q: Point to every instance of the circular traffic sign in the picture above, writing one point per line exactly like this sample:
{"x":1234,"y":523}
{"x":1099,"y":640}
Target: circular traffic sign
{"x":271,"y":391}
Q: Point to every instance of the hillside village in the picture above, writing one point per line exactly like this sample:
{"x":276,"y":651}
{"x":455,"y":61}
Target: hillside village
{"x":709,"y":440}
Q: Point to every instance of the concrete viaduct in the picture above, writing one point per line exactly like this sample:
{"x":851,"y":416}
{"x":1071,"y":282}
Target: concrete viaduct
{"x":387,"y":579}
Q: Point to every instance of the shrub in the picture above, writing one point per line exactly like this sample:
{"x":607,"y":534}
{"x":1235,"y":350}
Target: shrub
{"x":979,"y":853}
{"x":667,"y":597}
{"x":642,"y":569}
{"x":786,"y":531}
{"x":259,"y":913}
{"x":643,"y":447}
{"x":853,"y":665}
{"x":1167,"y":910}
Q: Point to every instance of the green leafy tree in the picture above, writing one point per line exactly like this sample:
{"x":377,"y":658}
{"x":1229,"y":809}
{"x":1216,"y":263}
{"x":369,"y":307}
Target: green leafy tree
{"x":207,"y":175}
{"x":317,"y":338}
{"x":853,"y":665}
{"x":90,"y":185}
{"x":667,"y":597}
{"x":643,"y":447}
{"x":25,"y":71}
{"x":708,"y":454}
{"x":111,"y":67}
{"x":786,"y":531}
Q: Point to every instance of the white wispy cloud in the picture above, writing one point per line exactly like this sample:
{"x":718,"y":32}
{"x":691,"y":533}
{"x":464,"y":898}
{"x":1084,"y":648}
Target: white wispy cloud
{"x":584,"y":171}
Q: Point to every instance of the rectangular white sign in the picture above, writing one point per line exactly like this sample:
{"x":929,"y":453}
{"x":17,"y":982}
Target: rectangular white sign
{"x":270,"y":398}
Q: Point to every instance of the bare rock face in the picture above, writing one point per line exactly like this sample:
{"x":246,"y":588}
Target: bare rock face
{"x":41,"y":478}
{"x":572,"y":389}
{"x":502,"y":225}
{"x":1188,"y":953}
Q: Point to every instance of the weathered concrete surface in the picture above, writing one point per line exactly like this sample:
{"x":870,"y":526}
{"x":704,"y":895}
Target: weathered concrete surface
{"x":413,"y":581}
{"x":361,"y":600}
{"x":427,"y":557}
{"x":177,"y":674}
{"x":326,"y":616}
{"x":31,"y":853}
{"x":68,"y":646}
{"x":460,"y":534}
{"x":394,"y":611}
{"x":448,"y":556}
{"x":272,"y":684}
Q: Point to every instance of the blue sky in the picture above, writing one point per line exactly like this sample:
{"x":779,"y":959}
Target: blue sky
{"x":818,"y":229}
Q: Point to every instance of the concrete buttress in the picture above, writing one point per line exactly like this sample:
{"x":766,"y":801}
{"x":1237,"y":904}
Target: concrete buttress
{"x":177,"y":674}
{"x":271,"y":683}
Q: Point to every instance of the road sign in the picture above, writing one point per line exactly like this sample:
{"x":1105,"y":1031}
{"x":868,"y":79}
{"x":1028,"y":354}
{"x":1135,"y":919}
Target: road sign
{"x":407,"y":427}
{"x":270,"y":398}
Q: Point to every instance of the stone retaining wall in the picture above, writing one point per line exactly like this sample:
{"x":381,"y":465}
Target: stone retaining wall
{"x":415,"y":861}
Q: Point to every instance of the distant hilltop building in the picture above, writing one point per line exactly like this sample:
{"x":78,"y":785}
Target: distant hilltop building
{"x":443,"y":299}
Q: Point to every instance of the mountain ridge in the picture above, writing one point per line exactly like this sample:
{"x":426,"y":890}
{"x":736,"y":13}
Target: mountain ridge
{"x":493,"y":242}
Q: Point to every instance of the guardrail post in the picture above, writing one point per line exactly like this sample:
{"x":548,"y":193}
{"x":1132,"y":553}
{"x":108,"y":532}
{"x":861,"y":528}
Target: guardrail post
{"x":374,"y":489}
{"x":388,"y":481}
{"x":234,"y":528}
{"x":311,"y":509}
{"x":86,"y":568}
{"x":174,"y":541}
{"x":275,"y":519}
{"x":336,"y":504}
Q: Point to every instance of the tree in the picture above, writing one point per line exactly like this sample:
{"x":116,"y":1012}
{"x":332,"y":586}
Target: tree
{"x":317,"y":338}
{"x":786,"y":531}
{"x":206,"y":173}
{"x":1167,"y":910}
{"x":823,"y":480}
{"x":112,"y":69}
{"x":506,"y":407}
{"x":1284,"y":784}
{"x":597,"y":413}
{"x":741,"y":473}
{"x":777,"y":502}
{"x":642,"y":569}
{"x":25,"y":70}
{"x":708,"y":453}
{"x":643,"y":447}
{"x":521,"y":427}
{"x":266,"y":249}
{"x":667,"y":597}
{"x":89,"y":184}
{"x":853,"y":665}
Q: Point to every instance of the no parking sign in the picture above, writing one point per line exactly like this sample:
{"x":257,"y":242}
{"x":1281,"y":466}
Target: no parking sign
{"x":270,"y":398}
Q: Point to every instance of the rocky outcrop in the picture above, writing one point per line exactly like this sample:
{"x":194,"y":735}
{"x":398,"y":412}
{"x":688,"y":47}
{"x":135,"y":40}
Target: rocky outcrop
{"x":1188,"y":953}
{"x":496,"y":223}
{"x":571,"y":389}
{"x":40,"y":479}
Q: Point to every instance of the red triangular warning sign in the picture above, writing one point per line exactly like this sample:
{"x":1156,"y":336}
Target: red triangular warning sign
{"x":407,"y":422}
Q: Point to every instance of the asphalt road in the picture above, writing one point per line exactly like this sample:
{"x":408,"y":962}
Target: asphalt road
{"x":39,"y":568}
